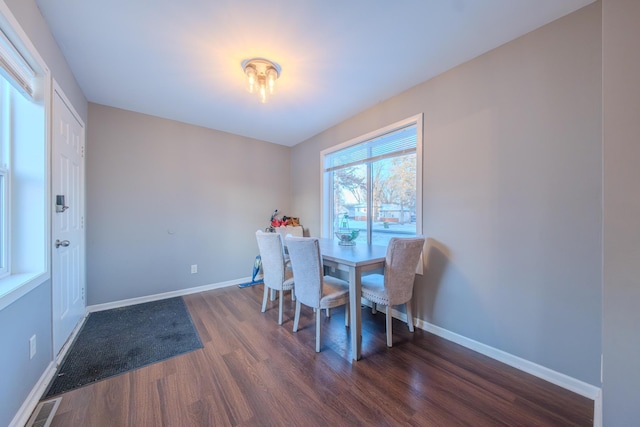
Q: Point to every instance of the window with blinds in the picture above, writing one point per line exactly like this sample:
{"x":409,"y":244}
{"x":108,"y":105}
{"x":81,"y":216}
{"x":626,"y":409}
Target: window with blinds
{"x":24,"y":83}
{"x":372,"y":184}
{"x":394,"y":144}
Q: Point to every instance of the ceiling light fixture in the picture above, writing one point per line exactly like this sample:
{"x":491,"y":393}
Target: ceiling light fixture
{"x":261,"y":76}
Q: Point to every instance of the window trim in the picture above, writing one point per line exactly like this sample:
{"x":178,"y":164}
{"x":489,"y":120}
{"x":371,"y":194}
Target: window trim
{"x":5,"y":220}
{"x":19,"y":282}
{"x":326,"y":215}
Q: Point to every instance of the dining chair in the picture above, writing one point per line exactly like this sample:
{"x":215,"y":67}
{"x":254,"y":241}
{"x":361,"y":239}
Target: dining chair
{"x":276,"y":275}
{"x":313,"y":288}
{"x":289,"y":230}
{"x":395,"y":286}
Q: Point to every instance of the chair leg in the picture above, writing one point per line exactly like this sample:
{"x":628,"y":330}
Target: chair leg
{"x":389,"y":318}
{"x":318,"y":318}
{"x":346,"y":314}
{"x":280,"y":307}
{"x":264,"y":299}
{"x":296,"y":318}
{"x":409,"y":316}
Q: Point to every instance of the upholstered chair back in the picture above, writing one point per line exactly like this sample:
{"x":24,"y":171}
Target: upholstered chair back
{"x":271,"y":250}
{"x":306,"y":263}
{"x":401,"y":262}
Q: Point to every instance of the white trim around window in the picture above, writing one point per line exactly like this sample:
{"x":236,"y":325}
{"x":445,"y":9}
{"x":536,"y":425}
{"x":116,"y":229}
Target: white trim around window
{"x":26,"y":171}
{"x":327,"y":219}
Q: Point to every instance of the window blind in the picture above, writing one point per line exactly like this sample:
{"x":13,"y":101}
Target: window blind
{"x":15,"y":68}
{"x":396,"y":143}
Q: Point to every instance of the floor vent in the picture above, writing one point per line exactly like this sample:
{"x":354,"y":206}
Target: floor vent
{"x":43,"y":415}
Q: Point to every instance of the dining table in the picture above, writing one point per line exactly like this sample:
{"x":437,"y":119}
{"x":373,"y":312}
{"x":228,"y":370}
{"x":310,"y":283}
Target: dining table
{"x":354,"y":260}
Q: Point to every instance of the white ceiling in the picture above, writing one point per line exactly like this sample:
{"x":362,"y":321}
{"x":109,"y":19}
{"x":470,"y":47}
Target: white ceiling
{"x":181,"y":59}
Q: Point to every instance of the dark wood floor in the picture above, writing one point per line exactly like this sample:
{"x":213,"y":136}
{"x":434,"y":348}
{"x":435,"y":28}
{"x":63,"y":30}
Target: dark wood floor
{"x":252,"y":372}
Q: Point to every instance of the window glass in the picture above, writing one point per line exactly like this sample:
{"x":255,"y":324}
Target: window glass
{"x":394,"y":198}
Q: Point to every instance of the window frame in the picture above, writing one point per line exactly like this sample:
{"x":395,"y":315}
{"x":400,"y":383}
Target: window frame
{"x":28,"y":255}
{"x":5,"y":185}
{"x":327,"y":215}
{"x":5,"y":220}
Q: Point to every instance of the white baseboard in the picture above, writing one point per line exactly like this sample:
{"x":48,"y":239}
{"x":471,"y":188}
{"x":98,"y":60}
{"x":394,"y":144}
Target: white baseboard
{"x":67,"y":345}
{"x":597,"y":411}
{"x":156,"y":297}
{"x":32,"y":400}
{"x":30,"y":403}
{"x":576,"y":386}
{"x":583,"y":389}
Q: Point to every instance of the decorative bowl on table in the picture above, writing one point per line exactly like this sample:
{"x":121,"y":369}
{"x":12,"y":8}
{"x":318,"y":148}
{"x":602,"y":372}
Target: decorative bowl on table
{"x":347,"y":237}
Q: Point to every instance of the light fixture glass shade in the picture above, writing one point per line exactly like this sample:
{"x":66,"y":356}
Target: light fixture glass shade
{"x":261,"y":77}
{"x":262,"y":89}
{"x":272,"y":76}
{"x":252,"y":78}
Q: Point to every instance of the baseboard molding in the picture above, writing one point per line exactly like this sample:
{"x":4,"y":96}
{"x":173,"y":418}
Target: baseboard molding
{"x":569,"y":383}
{"x":597,"y":410}
{"x":579,"y":387}
{"x":156,"y":297}
{"x":67,"y":345}
{"x":576,"y":386}
{"x":32,"y":400}
{"x":22,"y":416}
{"x":562,"y":380}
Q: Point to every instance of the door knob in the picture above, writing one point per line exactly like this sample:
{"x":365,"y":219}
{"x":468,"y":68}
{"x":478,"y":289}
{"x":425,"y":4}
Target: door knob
{"x":64,"y":243}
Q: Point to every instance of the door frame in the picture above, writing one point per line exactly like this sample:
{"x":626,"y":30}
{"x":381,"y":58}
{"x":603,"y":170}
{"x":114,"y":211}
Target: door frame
{"x":59,"y":353}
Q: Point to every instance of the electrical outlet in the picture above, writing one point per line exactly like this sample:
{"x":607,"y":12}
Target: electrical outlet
{"x":194,"y":268}
{"x":32,"y":347}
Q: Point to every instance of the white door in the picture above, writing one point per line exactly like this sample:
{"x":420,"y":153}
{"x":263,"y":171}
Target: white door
{"x":67,"y":225}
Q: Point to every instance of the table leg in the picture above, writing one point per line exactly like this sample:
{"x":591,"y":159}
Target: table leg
{"x":356,"y":312}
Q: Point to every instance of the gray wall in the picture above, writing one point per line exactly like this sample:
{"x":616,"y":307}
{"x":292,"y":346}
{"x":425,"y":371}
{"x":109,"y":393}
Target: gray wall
{"x":163,"y":195}
{"x":31,"y":314}
{"x":511,"y":194}
{"x":621,"y":315}
{"x":513,"y":262}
